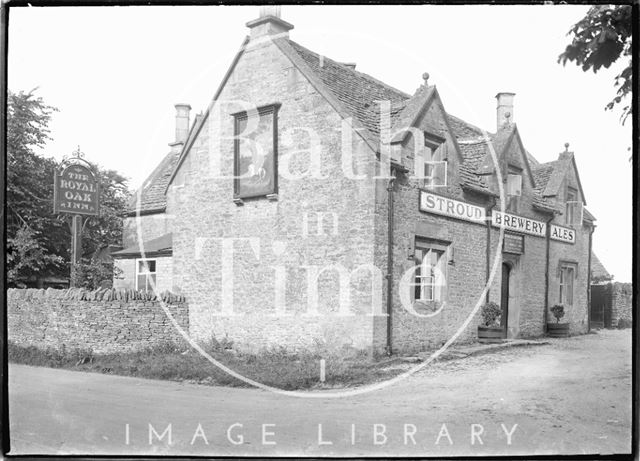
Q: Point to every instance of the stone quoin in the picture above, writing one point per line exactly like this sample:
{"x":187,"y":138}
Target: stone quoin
{"x":289,"y":213}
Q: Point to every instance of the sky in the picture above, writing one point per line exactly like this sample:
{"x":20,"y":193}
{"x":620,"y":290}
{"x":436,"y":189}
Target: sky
{"x":115,"y":74}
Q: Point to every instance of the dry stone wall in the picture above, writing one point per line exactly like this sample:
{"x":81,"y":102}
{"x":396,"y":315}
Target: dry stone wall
{"x":621,"y":306}
{"x":104,"y":321}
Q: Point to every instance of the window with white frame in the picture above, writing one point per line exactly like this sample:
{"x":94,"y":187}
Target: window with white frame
{"x":573,"y":208}
{"x":513,"y":189}
{"x":567,"y":276}
{"x":145,"y":274}
{"x":435,"y":161}
{"x":430,"y":272}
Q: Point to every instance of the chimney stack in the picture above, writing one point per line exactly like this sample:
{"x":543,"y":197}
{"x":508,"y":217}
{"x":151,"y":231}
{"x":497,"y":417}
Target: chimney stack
{"x":269,"y":23}
{"x":182,"y":126}
{"x":504,"y":111}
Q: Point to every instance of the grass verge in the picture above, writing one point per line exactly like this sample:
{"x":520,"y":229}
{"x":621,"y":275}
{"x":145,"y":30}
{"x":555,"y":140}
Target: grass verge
{"x":274,"y":367}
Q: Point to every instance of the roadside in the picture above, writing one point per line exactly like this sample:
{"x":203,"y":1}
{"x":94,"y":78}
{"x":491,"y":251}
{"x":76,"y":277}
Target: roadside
{"x":276,"y":367}
{"x":570,"y":396}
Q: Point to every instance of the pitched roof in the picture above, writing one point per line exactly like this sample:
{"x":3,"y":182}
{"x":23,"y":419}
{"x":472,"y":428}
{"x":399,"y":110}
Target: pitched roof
{"x":358,"y":92}
{"x":409,"y":110}
{"x":465,"y":130}
{"x":566,"y":160}
{"x":561,"y":165}
{"x":473,"y":152}
{"x":598,"y":271}
{"x":587,"y":215}
{"x":498,"y":141}
{"x":161,"y":246}
{"x":541,"y":174}
{"x":150,"y":198}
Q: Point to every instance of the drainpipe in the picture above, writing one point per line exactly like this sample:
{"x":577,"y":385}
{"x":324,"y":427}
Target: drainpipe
{"x":488,"y":254}
{"x":546,"y":275}
{"x":389,"y":276}
{"x":593,"y":227}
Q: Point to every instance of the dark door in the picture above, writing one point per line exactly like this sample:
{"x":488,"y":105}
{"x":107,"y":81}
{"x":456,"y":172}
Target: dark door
{"x":504,"y":298}
{"x":601,"y":306}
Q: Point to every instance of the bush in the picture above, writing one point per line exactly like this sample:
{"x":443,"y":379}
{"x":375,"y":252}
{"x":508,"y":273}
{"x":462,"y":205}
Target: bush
{"x":214,"y":345}
{"x":491,"y":313}
{"x":94,"y":274}
{"x":624,"y":323}
{"x":558,"y":312}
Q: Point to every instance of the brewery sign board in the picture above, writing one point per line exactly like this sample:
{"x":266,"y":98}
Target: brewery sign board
{"x":76,"y":191}
{"x":519,"y":224}
{"x":444,"y":206}
{"x":562,"y":234}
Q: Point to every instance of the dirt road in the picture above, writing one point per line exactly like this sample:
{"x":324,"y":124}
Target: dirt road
{"x":571,"y":396}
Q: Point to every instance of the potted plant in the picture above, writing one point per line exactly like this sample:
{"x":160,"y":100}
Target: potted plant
{"x":490,"y":331}
{"x":558,"y":330}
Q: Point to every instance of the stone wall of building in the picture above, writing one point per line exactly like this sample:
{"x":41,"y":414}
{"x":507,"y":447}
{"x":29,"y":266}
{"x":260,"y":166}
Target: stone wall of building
{"x":279,"y":243}
{"x":525,"y":316}
{"x":125,"y":277}
{"x":103,"y":320}
{"x":419,"y":326}
{"x":574,"y":254}
{"x":466,"y":270}
{"x":621,"y":303}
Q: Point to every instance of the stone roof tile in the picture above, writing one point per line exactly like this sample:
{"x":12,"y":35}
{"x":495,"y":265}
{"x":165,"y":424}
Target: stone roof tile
{"x":598,"y":270}
{"x":150,"y":198}
{"x":162,"y":245}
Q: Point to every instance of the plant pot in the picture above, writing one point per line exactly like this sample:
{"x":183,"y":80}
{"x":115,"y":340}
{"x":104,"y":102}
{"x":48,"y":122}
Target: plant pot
{"x":490,"y":334}
{"x":558,"y":330}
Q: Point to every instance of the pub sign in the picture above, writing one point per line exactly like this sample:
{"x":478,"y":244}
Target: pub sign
{"x":76,"y":191}
{"x":513,"y":243}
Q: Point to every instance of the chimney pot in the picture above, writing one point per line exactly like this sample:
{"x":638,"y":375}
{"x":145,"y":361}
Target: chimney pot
{"x":504,"y":111}
{"x":182,"y":125}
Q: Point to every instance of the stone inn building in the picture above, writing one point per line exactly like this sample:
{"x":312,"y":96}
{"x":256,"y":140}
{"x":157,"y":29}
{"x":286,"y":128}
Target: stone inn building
{"x":314,"y":204}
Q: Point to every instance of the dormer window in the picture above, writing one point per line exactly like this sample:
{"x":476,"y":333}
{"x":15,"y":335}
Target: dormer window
{"x":435,"y":161}
{"x":513,"y":189}
{"x":573,"y":208}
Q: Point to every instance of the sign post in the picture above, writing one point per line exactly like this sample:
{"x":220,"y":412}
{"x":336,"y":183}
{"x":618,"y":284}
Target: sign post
{"x":76,"y":192}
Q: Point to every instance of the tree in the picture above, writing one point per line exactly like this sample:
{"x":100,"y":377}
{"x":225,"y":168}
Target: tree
{"x":599,"y":39}
{"x":103,"y":230}
{"x":38,"y":241}
{"x":114,"y":197}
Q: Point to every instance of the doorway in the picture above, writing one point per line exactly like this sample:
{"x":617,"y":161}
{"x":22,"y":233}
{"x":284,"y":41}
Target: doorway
{"x":504,"y":298}
{"x":601,"y":300}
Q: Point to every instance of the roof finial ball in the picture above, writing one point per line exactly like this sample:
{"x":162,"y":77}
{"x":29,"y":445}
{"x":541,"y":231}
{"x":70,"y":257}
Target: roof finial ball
{"x":566,"y":147}
{"x":425,"y":77}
